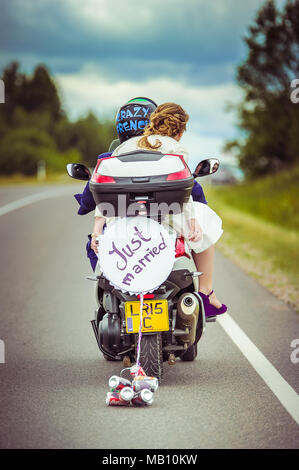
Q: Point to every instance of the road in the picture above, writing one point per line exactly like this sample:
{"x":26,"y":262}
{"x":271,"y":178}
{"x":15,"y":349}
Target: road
{"x":54,"y":380}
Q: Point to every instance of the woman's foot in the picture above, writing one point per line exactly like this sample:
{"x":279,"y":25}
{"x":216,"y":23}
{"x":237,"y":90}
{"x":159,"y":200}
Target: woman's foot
{"x":212,"y":297}
{"x":212,"y":305}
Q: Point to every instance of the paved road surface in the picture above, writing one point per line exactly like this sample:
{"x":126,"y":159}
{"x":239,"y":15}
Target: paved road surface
{"x":54,"y":381}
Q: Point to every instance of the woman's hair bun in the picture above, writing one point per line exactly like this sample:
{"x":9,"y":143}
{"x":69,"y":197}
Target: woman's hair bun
{"x":168,"y":119}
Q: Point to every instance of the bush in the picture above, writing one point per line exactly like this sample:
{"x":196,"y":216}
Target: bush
{"x":22,"y":148}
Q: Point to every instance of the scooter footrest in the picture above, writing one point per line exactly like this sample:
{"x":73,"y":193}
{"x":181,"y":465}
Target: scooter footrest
{"x":211,"y":319}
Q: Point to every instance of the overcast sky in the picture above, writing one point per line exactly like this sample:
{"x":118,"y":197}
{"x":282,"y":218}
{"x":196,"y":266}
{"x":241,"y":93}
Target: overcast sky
{"x":104,"y":52}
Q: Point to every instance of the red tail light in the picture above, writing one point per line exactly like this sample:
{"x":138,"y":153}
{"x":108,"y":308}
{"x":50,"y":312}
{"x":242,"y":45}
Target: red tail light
{"x":147,"y":296}
{"x":180,"y":248}
{"x":97,"y":177}
{"x":180,"y":175}
{"x":103,"y":179}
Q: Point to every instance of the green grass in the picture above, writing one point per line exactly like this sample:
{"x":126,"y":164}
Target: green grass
{"x":52,"y":178}
{"x":255,"y":239}
{"x":274,"y":198}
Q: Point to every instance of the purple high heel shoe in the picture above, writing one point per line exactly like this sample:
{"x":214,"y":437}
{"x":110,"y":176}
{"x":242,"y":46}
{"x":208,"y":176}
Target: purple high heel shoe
{"x":210,"y":310}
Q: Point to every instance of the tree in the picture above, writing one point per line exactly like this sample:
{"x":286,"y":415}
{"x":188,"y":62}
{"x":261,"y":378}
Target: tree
{"x":33,"y":126}
{"x":268,"y":119}
{"x":40,"y":94}
{"x":91,"y":136}
{"x":14,"y":83}
{"x":36,"y":94}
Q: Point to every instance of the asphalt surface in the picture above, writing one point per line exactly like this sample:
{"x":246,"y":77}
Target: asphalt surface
{"x":54,"y":381}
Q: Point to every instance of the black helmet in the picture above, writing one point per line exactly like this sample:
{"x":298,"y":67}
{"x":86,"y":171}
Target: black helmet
{"x":133,"y":116}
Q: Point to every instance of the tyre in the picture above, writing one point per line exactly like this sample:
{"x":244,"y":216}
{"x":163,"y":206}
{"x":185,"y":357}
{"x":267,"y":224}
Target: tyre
{"x":190,"y":354}
{"x":151,"y":359}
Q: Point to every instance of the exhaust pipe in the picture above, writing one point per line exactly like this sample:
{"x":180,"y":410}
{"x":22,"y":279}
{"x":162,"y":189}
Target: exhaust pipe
{"x":187,"y":317}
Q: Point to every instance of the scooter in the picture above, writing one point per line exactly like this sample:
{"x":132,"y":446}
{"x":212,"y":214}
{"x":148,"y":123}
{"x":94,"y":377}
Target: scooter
{"x":160,"y":182}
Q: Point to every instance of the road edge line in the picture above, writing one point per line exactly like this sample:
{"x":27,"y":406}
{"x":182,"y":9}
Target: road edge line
{"x":27,"y":200}
{"x":277,"y":384}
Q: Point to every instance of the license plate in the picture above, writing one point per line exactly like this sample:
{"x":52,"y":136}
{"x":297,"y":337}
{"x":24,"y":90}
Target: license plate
{"x":155,"y":316}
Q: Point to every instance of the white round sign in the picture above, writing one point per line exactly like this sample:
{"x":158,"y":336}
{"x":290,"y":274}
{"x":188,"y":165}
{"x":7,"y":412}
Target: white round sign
{"x":136,"y":254}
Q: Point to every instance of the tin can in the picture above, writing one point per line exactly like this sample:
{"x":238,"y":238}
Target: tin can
{"x":126,"y":394}
{"x":114,"y":399}
{"x":142,"y":398}
{"x":136,"y":370}
{"x":117,"y":383}
{"x":143,"y":382}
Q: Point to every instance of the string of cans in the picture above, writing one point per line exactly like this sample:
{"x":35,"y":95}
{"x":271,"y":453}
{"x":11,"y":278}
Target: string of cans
{"x":137,"y":392}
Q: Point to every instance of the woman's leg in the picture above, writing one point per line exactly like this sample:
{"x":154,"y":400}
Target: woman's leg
{"x":204,"y":262}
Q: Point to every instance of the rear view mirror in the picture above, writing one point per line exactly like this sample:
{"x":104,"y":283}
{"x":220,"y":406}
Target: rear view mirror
{"x":78,"y":171}
{"x":206,"y":167}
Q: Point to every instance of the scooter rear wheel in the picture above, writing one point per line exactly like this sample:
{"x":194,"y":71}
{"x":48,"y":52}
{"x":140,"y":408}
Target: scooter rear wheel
{"x":151,"y":359}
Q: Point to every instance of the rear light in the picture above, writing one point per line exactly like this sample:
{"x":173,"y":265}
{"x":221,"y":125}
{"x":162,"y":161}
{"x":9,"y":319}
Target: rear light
{"x":180,"y":175}
{"x":180,"y":248}
{"x":147,"y":296}
{"x":97,"y":177}
{"x":102,"y":179}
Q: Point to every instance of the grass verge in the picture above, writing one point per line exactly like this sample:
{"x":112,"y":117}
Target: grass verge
{"x":261,"y":248}
{"x":51,"y":178}
{"x":274,"y":198}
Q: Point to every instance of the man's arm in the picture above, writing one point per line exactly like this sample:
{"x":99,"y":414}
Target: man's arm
{"x":86,"y":200}
{"x":198,"y":194}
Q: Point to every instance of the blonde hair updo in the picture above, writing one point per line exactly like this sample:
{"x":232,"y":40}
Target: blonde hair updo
{"x":168,"y":119}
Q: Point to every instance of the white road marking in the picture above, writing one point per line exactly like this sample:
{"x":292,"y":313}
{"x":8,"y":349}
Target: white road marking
{"x":277,"y":384}
{"x":25,"y":201}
